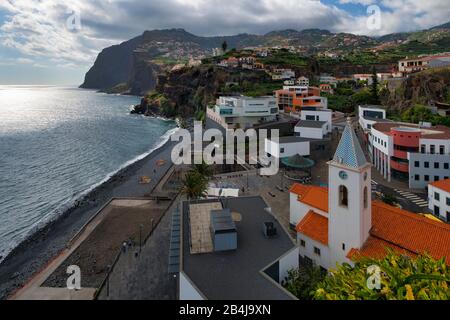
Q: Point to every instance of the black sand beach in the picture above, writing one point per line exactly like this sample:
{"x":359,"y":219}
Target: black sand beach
{"x":34,"y":253}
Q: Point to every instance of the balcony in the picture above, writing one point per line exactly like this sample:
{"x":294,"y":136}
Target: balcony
{"x":400,"y":154}
{"x":400,"y":166}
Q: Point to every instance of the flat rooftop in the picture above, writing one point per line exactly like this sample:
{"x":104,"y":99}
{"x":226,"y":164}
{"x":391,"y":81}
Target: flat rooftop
{"x":310,"y":124}
{"x":294,"y":139}
{"x":237,"y":274}
{"x":377,"y":119}
{"x":433,"y":132}
{"x":372,"y":106}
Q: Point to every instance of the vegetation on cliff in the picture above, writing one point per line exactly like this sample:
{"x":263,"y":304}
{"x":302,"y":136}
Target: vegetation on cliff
{"x":422,"y":88}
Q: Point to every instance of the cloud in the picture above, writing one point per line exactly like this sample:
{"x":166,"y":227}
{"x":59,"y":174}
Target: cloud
{"x":44,"y":29}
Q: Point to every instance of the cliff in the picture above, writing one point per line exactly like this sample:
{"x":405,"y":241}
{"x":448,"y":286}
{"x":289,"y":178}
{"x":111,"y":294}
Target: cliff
{"x":187,"y":91}
{"x":420,"y":88}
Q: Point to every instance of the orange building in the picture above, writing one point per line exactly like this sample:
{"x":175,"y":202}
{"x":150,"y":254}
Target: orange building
{"x":293,"y":98}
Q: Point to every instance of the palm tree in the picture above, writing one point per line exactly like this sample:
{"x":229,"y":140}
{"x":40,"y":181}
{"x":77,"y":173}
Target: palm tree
{"x":194,"y":185}
{"x":204,"y":170}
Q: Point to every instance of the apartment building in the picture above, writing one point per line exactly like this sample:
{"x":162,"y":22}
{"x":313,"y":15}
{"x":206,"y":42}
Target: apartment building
{"x":243,"y":112}
{"x":413,"y":153}
{"x":439,"y":199}
{"x":303,"y":81}
{"x":292,"y":99}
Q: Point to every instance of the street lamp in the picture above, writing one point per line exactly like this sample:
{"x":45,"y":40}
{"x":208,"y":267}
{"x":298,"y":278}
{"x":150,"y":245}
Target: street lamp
{"x":140,"y":237}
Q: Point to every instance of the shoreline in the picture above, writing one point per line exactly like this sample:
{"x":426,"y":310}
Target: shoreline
{"x":34,"y":252}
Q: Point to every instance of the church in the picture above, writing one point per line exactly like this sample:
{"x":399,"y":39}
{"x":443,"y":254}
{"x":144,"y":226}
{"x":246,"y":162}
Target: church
{"x":339,"y":223}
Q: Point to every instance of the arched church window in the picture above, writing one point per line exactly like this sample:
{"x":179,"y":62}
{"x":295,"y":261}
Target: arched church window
{"x":343,"y":196}
{"x":366,"y":198}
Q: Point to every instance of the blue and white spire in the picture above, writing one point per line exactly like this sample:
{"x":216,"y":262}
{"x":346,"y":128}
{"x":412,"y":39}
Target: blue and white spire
{"x":349,"y":151}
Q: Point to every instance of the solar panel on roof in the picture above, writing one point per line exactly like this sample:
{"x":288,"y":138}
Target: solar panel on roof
{"x":174,"y":251}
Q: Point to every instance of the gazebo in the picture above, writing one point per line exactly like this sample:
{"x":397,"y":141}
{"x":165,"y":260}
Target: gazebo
{"x":298,"y":163}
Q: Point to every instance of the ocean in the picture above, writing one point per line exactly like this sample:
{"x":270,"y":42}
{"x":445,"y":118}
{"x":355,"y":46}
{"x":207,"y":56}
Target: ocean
{"x":57,"y":144}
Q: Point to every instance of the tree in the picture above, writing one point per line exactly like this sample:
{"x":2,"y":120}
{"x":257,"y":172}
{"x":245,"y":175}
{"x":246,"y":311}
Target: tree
{"x":375,"y":98}
{"x":203,"y":169}
{"x":401,"y":278}
{"x":194,"y":185}
{"x":224,"y":46}
{"x":302,"y":282}
{"x":389,"y":199}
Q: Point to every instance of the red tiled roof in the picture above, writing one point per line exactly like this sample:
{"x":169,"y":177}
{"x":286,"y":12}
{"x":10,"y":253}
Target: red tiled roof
{"x":410,"y":231}
{"x":376,"y":248}
{"x":392,"y":227}
{"x":314,"y":196}
{"x":314,"y":226}
{"x":442,"y":184}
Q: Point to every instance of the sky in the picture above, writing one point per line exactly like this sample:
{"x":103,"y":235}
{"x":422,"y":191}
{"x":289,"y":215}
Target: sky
{"x":56,"y":42}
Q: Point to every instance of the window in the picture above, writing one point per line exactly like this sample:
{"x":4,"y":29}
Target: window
{"x":432,"y":147}
{"x":441,"y":149}
{"x":436,"y":165}
{"x":426,"y":177}
{"x":343,"y":247}
{"x":423,"y":148}
{"x":417,"y":177}
{"x":343,"y":196}
{"x":303,"y":243}
{"x":436,"y":196}
{"x":317,"y":251}
{"x":417,"y":164}
{"x":436,"y":178}
{"x":426,"y":164}
{"x":366,"y":198}
{"x":447,"y":201}
{"x":281,"y":150}
{"x":446,"y":165}
{"x":436,"y":211}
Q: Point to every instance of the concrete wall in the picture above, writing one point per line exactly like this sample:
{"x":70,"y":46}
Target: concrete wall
{"x":298,"y":210}
{"x":441,"y":173}
{"x":290,"y":149}
{"x":287,"y":262}
{"x":187,"y":290}
{"x":311,"y":133}
{"x":308,"y":251}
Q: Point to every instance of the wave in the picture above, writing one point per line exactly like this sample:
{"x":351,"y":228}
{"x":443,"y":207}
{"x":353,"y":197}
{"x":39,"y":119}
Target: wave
{"x":74,"y":201}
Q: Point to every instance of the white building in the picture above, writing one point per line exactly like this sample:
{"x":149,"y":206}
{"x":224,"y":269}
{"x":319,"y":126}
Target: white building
{"x":243,"y":112}
{"x":303,"y":81}
{"x":369,"y":115}
{"x":288,"y":147}
{"x":364,"y":77}
{"x":439,"y":199}
{"x":316,"y":114}
{"x":289,"y":82}
{"x":312,"y":129}
{"x":325,"y":78}
{"x":341,"y":223}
